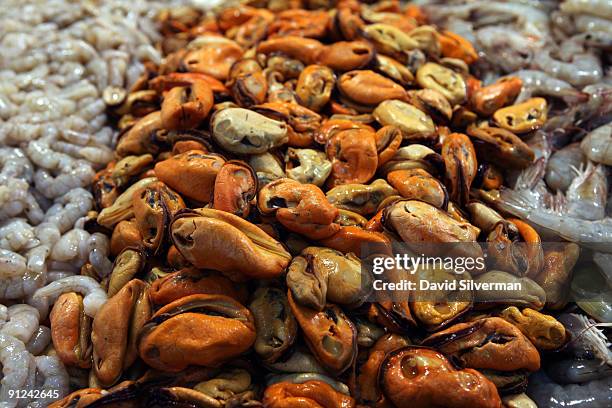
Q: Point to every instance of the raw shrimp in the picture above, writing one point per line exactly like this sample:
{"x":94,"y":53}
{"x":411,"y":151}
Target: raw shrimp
{"x":72,"y":246}
{"x":69,"y":208}
{"x":78,"y":174}
{"x":20,"y":276}
{"x":587,"y":341}
{"x":14,"y":164}
{"x":99,"y":249}
{"x":601,"y":8}
{"x":15,"y":199}
{"x":559,"y":174}
{"x":538,"y":83}
{"x":94,"y":294}
{"x":39,"y":340}
{"x":17,"y":234}
{"x":597,"y":145}
{"x":583,"y":69}
{"x":18,"y":367}
{"x":23,"y":321}
{"x":508,"y":49}
{"x":524,"y":204}
{"x":588,"y":193}
{"x":56,"y":379}
{"x":593,"y":394}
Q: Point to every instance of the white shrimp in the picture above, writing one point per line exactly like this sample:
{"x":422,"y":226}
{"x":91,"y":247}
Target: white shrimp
{"x":601,"y":8}
{"x":597,"y":145}
{"x":20,"y":276}
{"x":16,"y":199}
{"x":99,"y":249}
{"x":56,"y":379}
{"x":538,"y":83}
{"x":14,"y":164}
{"x":77,"y":174}
{"x":506,"y":47}
{"x":593,"y":24}
{"x":94,"y":294}
{"x":587,"y":340}
{"x":39,"y":340}
{"x":72,"y":246}
{"x":69,"y":208}
{"x":17,"y":235}
{"x":588,"y":193}
{"x":18,"y":367}
{"x":583,"y":69}
{"x":523,"y":204}
{"x":23,"y":321}
{"x":559,"y":173}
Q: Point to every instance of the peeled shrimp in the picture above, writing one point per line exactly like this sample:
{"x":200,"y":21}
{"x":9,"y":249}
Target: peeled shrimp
{"x":18,"y":367}
{"x":23,"y":321}
{"x":78,"y":174}
{"x":39,"y":340}
{"x":56,"y":379}
{"x":69,"y":208}
{"x":601,"y":8}
{"x":94,"y":295}
{"x":17,"y":234}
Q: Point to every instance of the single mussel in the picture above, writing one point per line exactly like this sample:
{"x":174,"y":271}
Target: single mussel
{"x":308,"y":166}
{"x":544,"y":331}
{"x":413,"y":122}
{"x":205,"y":330}
{"x":235,"y":188}
{"x":423,"y":378}
{"x":201,"y":236}
{"x":244,"y":131}
{"x":329,"y":334}
{"x":71,"y":330}
{"x":301,"y":208}
{"x":418,"y":184}
{"x":499,"y":145}
{"x":191,"y":281}
{"x":153,"y":208}
{"x":127,"y":265}
{"x":487,"y":344}
{"x":308,"y":394}
{"x":191,"y":173}
{"x":314,"y":86}
{"x":115,"y":331}
{"x":274,"y":321}
{"x":363,"y":199}
{"x":321,"y":275}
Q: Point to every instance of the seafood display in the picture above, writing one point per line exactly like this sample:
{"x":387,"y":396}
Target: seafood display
{"x":211,"y":204}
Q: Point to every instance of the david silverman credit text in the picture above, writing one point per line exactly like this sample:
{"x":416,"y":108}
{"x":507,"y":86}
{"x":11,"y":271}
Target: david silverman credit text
{"x":465,"y":284}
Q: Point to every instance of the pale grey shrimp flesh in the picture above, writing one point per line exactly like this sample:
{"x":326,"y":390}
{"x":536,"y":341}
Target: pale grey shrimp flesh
{"x":559,"y":174}
{"x":94,"y":294}
{"x":538,"y":83}
{"x":588,"y":193}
